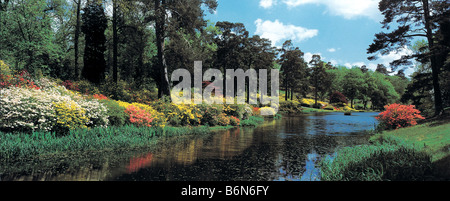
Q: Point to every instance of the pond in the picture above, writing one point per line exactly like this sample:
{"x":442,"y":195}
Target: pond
{"x":287,"y":149}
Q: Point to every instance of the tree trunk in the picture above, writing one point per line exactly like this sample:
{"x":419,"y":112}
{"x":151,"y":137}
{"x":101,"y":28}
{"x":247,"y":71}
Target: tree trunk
{"x":115,"y":42}
{"x":76,"y":42}
{"x":160,"y":22}
{"x":438,"y":107}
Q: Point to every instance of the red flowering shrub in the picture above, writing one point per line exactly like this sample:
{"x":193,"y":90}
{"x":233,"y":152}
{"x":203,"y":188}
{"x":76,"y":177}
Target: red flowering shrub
{"x":234,"y":121}
{"x":100,"y":97}
{"x":23,"y":79}
{"x":70,"y":85}
{"x":399,"y":116}
{"x":256,"y":111}
{"x":138,"y":116}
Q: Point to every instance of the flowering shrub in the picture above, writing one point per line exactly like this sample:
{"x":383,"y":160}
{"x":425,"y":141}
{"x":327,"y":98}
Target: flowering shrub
{"x":234,"y":121}
{"x":306,"y":102}
{"x":210,"y":113}
{"x":70,"y":115}
{"x":223,"y":119}
{"x":51,"y":108}
{"x":256,"y":111}
{"x":96,"y":112}
{"x":399,"y":116}
{"x":267,"y":111}
{"x":100,"y":97}
{"x":23,"y":79}
{"x":159,"y":119}
{"x":23,"y":109}
{"x":70,"y":85}
{"x":138,"y":116}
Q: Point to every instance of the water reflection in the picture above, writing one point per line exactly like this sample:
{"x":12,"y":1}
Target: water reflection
{"x":282,"y":150}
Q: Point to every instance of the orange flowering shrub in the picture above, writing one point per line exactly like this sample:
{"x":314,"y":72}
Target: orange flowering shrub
{"x":138,"y":116}
{"x":399,"y":116}
{"x":100,"y":97}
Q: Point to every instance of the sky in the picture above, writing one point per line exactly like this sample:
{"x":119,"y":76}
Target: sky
{"x":339,"y":30}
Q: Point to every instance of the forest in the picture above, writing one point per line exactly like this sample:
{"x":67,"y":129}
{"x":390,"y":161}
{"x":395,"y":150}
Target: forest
{"x":127,"y":50}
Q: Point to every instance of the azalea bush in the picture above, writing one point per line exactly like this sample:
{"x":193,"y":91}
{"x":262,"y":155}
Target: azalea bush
{"x":234,"y":121}
{"x":138,"y":116}
{"x":29,"y":109}
{"x":398,"y":116}
{"x":22,"y":79}
{"x":69,"y":116}
{"x":23,"y":109}
{"x":159,"y":118}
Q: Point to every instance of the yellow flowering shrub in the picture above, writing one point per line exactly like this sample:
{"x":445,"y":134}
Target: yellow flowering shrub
{"x":307,"y":101}
{"x":69,"y":116}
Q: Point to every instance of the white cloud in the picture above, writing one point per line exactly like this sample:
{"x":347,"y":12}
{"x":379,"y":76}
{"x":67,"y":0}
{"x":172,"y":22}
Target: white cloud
{"x":267,"y":3}
{"x":348,"y":9}
{"x":382,"y":59}
{"x":332,"y":50}
{"x":277,"y":31}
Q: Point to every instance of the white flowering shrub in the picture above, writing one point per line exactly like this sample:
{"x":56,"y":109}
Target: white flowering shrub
{"x":95,"y":111}
{"x":24,"y":109}
{"x":268,"y":111}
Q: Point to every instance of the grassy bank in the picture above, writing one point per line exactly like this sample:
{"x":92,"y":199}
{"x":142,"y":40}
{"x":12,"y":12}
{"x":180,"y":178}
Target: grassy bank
{"x":24,"y":146}
{"x":421,"y":152}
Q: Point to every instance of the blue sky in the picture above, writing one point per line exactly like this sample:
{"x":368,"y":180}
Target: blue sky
{"x":339,"y":30}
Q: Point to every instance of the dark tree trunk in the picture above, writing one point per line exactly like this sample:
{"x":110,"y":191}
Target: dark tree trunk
{"x":438,"y":106}
{"x":163,"y":70}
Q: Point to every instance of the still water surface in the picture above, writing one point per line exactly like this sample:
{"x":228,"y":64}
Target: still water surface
{"x":280,"y":150}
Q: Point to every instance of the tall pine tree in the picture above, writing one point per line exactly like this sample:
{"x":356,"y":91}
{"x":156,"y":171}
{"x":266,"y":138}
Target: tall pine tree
{"x":94,"y":26}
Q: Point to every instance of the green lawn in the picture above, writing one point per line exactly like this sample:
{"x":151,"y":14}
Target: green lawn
{"x":421,"y":152}
{"x":434,"y":136}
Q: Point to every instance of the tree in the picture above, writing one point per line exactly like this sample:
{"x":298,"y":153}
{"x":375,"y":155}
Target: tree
{"x":27,"y":39}
{"x":294,"y":69}
{"x":319,"y":77}
{"x":170,"y":16}
{"x":352,"y":84}
{"x":381,"y":68}
{"x":94,"y":26}
{"x":77,"y":38}
{"x":415,"y":18}
{"x":381,"y":91}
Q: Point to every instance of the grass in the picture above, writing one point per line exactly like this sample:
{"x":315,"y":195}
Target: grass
{"x":421,"y":152}
{"x":24,"y":146}
{"x":252,"y":121}
{"x":388,"y":160}
{"x":434,"y":136}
